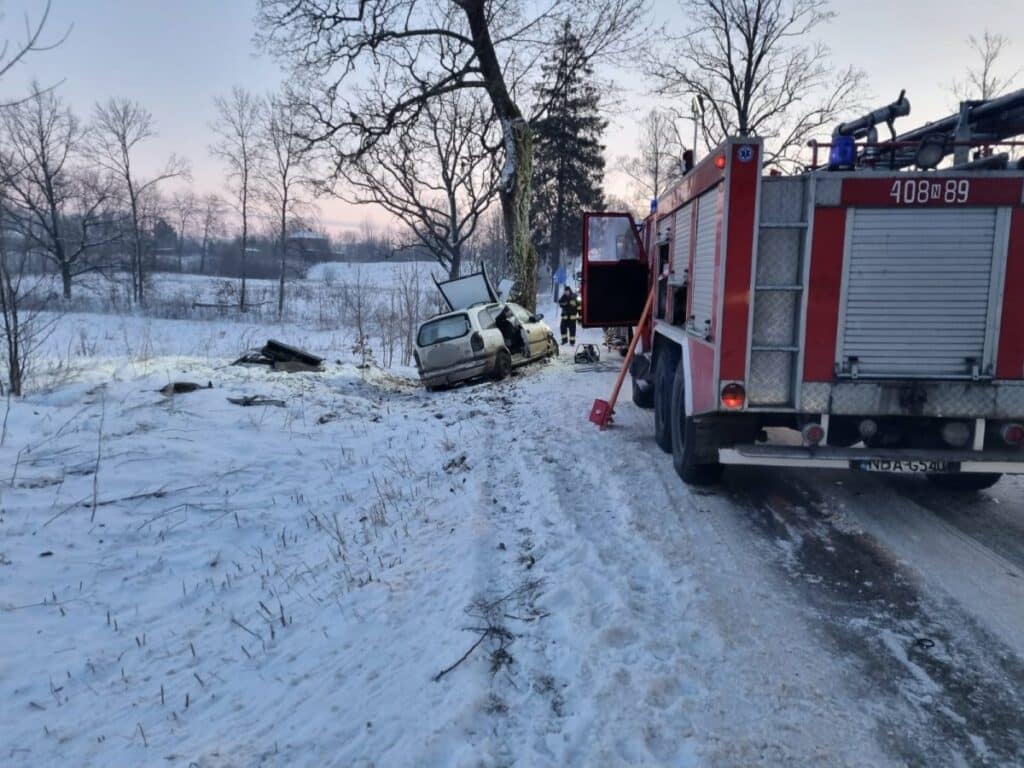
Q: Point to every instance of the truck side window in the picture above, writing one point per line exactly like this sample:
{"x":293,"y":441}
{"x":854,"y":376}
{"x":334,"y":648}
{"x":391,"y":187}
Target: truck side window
{"x":611,"y":238}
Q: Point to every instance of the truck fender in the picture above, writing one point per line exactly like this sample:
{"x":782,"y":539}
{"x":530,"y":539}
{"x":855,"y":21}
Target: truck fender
{"x":679,"y":351}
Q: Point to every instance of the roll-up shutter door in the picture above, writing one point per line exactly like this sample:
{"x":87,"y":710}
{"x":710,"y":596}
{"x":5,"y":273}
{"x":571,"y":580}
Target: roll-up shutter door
{"x":682,"y":231}
{"x":702,"y":283}
{"x":918,"y":291}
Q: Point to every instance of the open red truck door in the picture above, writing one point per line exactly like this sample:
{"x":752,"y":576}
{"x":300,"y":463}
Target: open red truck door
{"x":615,"y":276}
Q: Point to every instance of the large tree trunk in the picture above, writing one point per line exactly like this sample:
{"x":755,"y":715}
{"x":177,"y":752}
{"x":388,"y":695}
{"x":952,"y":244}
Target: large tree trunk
{"x":455,"y":264}
{"x":516,"y":199}
{"x":65,"y":277}
{"x":517,"y":176}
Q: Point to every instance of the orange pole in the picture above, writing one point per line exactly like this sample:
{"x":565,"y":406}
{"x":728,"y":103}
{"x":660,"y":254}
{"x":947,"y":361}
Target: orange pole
{"x":644,"y":317}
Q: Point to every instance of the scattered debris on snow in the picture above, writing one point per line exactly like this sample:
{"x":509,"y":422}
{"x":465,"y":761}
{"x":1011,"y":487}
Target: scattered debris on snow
{"x":253,"y":400}
{"x":183,"y":387}
{"x":282,"y":357}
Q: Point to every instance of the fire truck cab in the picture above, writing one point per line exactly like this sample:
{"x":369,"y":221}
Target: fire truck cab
{"x":864,"y":315}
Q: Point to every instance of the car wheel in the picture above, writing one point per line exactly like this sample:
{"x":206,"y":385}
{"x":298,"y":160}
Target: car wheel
{"x":502,"y":365}
{"x":664,"y":372}
{"x":687,"y":440}
{"x":966,"y":482}
{"x":553,"y":351}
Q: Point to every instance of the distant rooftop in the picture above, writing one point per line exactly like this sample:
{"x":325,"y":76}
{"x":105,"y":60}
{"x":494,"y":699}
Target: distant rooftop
{"x":306,"y":234}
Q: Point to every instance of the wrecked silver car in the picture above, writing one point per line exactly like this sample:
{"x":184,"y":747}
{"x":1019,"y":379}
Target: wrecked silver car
{"x":480,"y":336}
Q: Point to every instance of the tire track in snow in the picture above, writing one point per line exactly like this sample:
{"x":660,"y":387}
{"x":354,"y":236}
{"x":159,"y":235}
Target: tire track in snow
{"x":959,"y":685}
{"x":690,"y":613}
{"x":678,"y":649}
{"x":518,"y":692}
{"x":610,"y":657}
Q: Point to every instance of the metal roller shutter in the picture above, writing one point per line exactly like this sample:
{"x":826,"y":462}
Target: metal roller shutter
{"x":682,"y":226}
{"x":918,"y":292}
{"x":702,"y":282}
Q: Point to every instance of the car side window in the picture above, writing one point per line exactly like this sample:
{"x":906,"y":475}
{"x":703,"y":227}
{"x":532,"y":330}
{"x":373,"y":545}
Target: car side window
{"x":486,"y":317}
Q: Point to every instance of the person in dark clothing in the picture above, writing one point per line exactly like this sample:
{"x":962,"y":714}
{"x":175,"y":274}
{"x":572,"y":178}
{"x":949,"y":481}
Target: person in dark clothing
{"x":569,"y":303}
{"x":512,"y":330}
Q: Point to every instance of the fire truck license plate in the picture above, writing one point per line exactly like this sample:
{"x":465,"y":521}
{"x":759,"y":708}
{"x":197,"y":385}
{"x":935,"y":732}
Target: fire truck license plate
{"x":911,"y":466}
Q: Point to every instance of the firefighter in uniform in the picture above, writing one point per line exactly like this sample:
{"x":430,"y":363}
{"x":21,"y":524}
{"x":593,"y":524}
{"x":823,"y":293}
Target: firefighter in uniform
{"x":570,"y":306}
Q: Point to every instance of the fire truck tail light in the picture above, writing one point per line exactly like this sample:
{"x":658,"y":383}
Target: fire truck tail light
{"x":813,"y":434}
{"x":720,"y":162}
{"x":1013,"y":434}
{"x":733,"y":396}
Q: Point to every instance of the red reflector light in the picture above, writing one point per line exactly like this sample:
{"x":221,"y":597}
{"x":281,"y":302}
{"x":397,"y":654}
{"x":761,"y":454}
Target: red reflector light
{"x":813,"y":434}
{"x":1013,"y":434}
{"x":733,"y":396}
{"x":720,"y":162}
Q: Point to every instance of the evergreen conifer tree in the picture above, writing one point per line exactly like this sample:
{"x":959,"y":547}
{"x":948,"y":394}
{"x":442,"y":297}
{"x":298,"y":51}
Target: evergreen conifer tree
{"x":568,"y":172}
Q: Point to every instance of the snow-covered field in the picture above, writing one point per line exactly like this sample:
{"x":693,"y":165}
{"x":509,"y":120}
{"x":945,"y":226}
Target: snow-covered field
{"x":370,"y":575}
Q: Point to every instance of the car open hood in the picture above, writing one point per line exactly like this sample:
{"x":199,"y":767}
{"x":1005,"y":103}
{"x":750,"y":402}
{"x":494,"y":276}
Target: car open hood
{"x":464,"y":292}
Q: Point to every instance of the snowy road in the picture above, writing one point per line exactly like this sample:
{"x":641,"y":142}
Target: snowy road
{"x":284,"y":586}
{"x":786,"y":617}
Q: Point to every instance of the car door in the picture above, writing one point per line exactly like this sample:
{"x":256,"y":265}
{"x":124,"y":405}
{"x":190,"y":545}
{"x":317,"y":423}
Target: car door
{"x":536,"y":331}
{"x":616,"y":279}
{"x":468,"y":290}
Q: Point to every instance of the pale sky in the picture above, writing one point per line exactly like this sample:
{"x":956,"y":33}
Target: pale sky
{"x":176,"y":56}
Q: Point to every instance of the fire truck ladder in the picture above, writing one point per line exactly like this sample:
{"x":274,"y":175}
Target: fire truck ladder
{"x":779,"y":286}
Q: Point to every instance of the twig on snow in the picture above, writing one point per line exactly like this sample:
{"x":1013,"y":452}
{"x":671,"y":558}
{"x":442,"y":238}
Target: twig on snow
{"x":159,"y":493}
{"x":240,"y":625}
{"x":465,"y":656}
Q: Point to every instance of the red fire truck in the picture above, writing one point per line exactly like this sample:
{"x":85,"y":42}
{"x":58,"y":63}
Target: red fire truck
{"x":867,"y":314}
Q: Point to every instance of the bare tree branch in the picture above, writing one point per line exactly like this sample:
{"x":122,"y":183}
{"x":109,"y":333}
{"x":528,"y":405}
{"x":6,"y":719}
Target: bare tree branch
{"x":284,"y":176}
{"x":438,"y":178}
{"x":750,"y":66}
{"x":240,"y":146}
{"x":368,"y":74}
{"x":982,"y":81}
{"x":31,"y":43}
{"x":658,"y":165}
{"x":119,"y":127}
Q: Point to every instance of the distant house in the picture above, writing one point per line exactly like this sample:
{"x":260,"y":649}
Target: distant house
{"x":311,"y":247}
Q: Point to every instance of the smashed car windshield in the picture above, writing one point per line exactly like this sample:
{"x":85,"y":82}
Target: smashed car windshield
{"x":443,"y":329}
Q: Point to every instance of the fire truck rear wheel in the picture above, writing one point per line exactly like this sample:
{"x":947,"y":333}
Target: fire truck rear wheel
{"x":664,"y":372}
{"x":643,"y":397}
{"x":969,"y":481}
{"x":686,"y":440}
